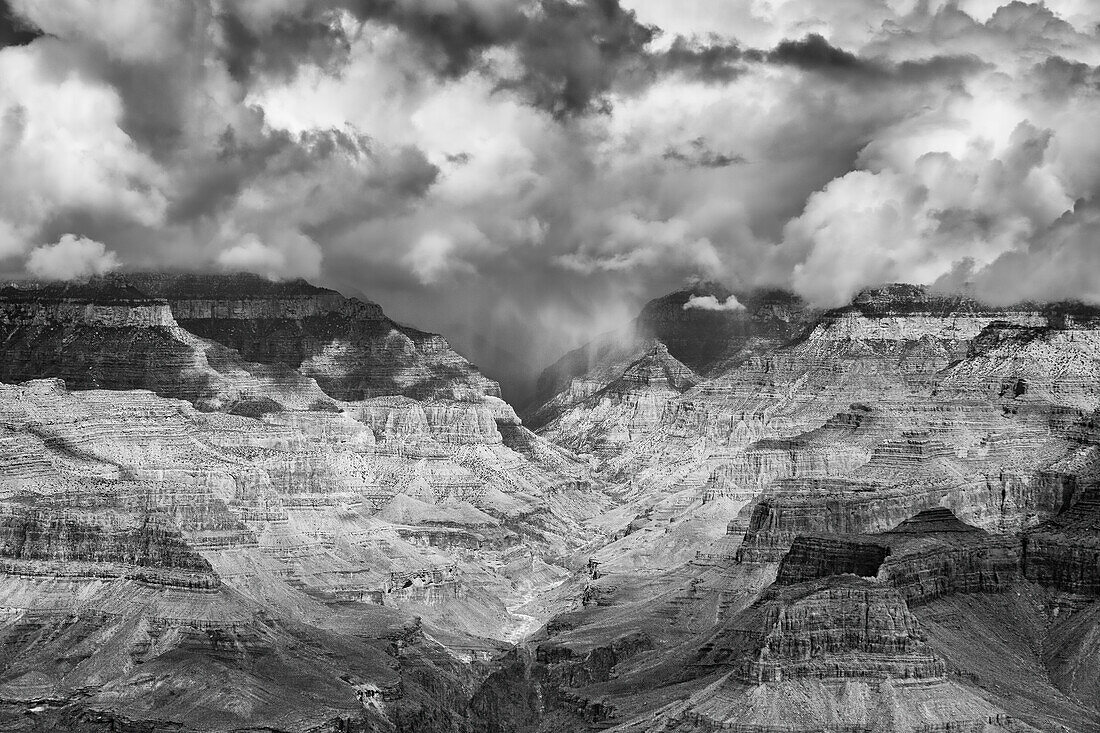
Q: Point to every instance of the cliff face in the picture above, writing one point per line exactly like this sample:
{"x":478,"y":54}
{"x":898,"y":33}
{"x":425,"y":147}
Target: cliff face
{"x":927,"y":556}
{"x":219,"y":340}
{"x":51,"y":332}
{"x":111,"y":335}
{"x":98,"y":543}
{"x":349,"y":346}
{"x":837,"y":653}
{"x":1064,"y":552}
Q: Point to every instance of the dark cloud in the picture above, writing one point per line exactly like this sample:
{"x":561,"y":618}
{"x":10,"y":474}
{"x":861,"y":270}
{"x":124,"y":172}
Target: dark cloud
{"x":155,"y":96}
{"x":459,"y":33}
{"x":14,"y":30}
{"x":274,"y":154}
{"x":697,"y":154}
{"x":573,"y":53}
{"x":1028,"y":19}
{"x":710,"y":60}
{"x":315,"y":37}
{"x":937,"y":67}
{"x":815,"y":54}
{"x":1060,"y":77}
{"x":1060,"y":261}
{"x":212,"y":184}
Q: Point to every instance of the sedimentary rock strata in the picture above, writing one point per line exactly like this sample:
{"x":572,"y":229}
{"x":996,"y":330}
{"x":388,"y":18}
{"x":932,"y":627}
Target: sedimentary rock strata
{"x":1064,"y":552}
{"x":232,"y":498}
{"x":840,"y":626}
{"x":747,"y":515}
{"x":349,"y":346}
{"x":940,"y":449}
{"x":927,"y":556}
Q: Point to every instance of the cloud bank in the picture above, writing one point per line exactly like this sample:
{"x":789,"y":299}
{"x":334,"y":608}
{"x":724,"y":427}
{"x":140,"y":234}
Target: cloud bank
{"x":521,"y":174}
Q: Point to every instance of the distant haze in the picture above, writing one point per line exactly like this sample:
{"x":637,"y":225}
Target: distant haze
{"x":523,"y":174}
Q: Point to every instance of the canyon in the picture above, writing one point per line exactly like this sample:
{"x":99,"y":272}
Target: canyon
{"x":228,"y":503}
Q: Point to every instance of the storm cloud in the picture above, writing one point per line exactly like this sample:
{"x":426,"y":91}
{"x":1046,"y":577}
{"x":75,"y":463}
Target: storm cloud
{"x":521,"y":174}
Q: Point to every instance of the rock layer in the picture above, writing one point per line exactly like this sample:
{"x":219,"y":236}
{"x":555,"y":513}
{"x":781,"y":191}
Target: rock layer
{"x":348,"y":346}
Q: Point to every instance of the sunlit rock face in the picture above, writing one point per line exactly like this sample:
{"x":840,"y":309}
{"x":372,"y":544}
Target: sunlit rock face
{"x":213,"y":471}
{"x":903,"y":401}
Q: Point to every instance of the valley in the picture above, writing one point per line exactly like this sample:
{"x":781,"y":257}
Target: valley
{"x":228,"y":503}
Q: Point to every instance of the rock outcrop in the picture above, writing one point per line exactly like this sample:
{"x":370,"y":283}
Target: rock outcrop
{"x":840,"y":653}
{"x":348,"y":346}
{"x":97,"y":542}
{"x":840,"y":626}
{"x":1064,"y":552}
{"x":927,"y":556}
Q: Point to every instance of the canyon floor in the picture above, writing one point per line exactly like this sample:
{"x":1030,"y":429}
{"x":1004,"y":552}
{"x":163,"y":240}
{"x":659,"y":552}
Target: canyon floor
{"x":230,"y":504}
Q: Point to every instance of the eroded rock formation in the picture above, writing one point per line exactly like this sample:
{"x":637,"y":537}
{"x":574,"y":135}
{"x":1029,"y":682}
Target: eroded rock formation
{"x":942,"y":450}
{"x":301,"y":482}
{"x":881,"y":517}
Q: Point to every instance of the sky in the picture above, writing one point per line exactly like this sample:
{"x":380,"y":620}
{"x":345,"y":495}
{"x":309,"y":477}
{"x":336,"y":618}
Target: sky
{"x":521,"y":175}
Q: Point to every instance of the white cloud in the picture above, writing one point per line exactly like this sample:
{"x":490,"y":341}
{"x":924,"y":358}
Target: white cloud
{"x":284,"y":254}
{"x":62,"y":134}
{"x":135,"y":30}
{"x":252,"y":255}
{"x":711,"y":303}
{"x":71,"y":257}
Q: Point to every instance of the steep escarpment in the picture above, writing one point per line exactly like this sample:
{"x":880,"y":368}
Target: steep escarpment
{"x":111,"y":335}
{"x":1064,"y":552}
{"x":348,"y":346}
{"x":99,"y":543}
{"x":840,"y":627}
{"x":224,"y":340}
{"x":929,"y":555}
{"x":841,"y":653}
